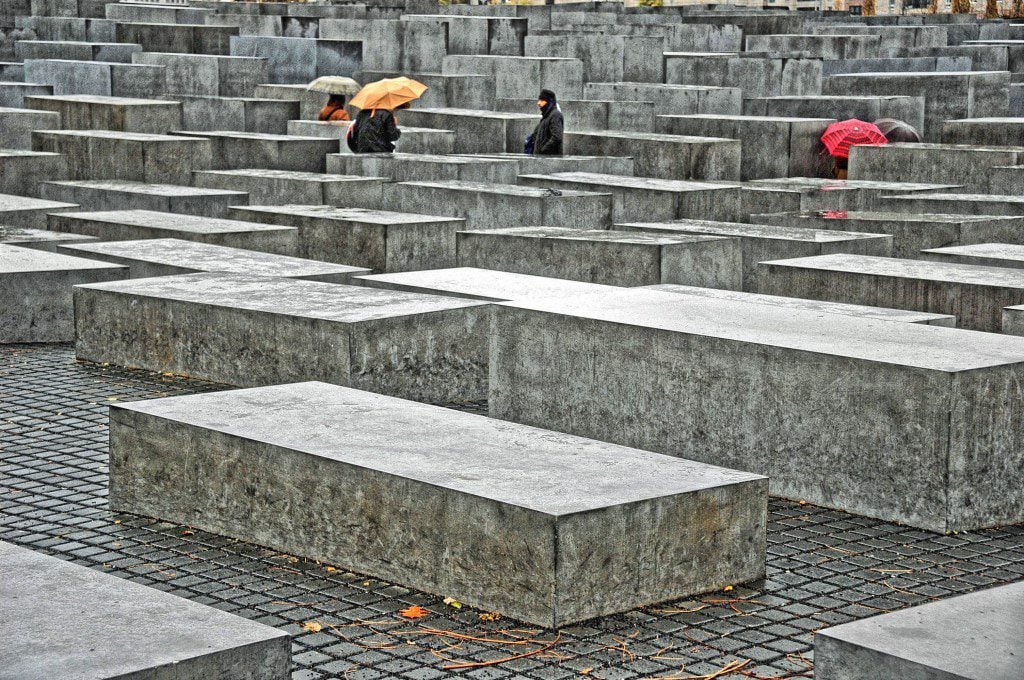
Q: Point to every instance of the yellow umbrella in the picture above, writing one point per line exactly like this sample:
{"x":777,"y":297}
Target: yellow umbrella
{"x":388,"y":94}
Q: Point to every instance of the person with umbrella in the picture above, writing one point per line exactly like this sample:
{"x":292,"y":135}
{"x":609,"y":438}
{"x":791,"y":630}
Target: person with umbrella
{"x":839,"y":137}
{"x":376,"y":127}
{"x":337,"y":87}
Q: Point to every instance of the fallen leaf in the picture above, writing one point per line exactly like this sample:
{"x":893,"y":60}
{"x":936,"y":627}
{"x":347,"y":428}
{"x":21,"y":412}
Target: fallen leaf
{"x":331,"y":570}
{"x":413,"y":612}
{"x":117,"y":521}
{"x":366,"y":584}
{"x":490,"y":616}
{"x":452,"y":602}
{"x":312,"y":626}
{"x":586,"y":671}
{"x":188,"y":532}
{"x":727,"y":588}
{"x":111,"y":398}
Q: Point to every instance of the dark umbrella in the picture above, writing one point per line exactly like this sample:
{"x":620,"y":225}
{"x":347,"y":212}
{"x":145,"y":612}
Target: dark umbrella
{"x":897,"y":131}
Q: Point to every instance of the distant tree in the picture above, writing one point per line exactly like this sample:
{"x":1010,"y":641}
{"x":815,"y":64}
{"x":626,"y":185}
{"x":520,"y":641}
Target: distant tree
{"x":962,"y":7}
{"x":991,"y":9}
{"x":1017,"y":9}
{"x":933,"y":7}
{"x":868,"y":8}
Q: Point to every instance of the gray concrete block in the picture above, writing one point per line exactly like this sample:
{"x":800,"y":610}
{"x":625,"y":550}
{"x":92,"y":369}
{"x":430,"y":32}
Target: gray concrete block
{"x":973,"y":636}
{"x":984,"y":131}
{"x":843,"y":46}
{"x":975,"y":295}
{"x":893,"y":40}
{"x":75,"y":50}
{"x":91,"y":112}
{"x":300,"y":60}
{"x":640,"y":198}
{"x":22,"y":172}
{"x":586,"y":114}
{"x":39,"y":239}
{"x":605,"y":58}
{"x":984,"y":254}
{"x":105,"y":79}
{"x":759,"y":242}
{"x":378,"y":239}
{"x":520,"y":77}
{"x":204,"y":75}
{"x":492,"y":206}
{"x":130,"y":225}
{"x":968,"y":166}
{"x":17,"y":125}
{"x":446,"y":90}
{"x":23,"y":211}
{"x":476,"y":131}
{"x":541,"y":525}
{"x":1006,"y":180}
{"x":964,"y":204}
{"x":756,"y":76}
{"x":867,"y":108}
{"x":163,"y":13}
{"x":671,"y":99}
{"x":406,"y":167}
{"x":931,"y":411}
{"x":479,"y":34}
{"x":119,"y":195}
{"x":237,"y":114}
{"x":310,"y":103}
{"x":614,"y":258}
{"x":414,"y":140}
{"x":172,"y":256}
{"x":663,"y":156}
{"x":1013,"y":320}
{"x":284,"y":187}
{"x":243,"y":150}
{"x":178,"y":38}
{"x":546,"y":165}
{"x":821,"y":194}
{"x":911,"y":232}
{"x":103,"y":611}
{"x":421,"y":347}
{"x":12,"y":95}
{"x":35,"y":293}
{"x":128,"y":156}
{"x":480,"y":284}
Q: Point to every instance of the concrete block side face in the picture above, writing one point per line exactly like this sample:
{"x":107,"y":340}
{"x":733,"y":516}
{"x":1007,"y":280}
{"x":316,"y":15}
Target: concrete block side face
{"x":734,"y":409}
{"x":504,"y":558}
{"x":37,"y":306}
{"x":418,"y":246}
{"x":714,"y":263}
{"x":986,"y":461}
{"x":836,"y":659}
{"x":626,"y":556}
{"x":1013,"y":321}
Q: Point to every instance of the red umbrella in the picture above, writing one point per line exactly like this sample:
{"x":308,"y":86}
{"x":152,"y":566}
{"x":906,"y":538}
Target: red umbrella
{"x":839,"y":137}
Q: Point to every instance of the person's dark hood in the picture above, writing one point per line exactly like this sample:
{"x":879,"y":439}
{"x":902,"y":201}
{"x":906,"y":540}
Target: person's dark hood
{"x":552,"y":102}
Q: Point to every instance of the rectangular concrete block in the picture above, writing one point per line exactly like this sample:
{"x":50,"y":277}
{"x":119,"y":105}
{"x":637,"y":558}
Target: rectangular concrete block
{"x":99,"y":636}
{"x":480,"y":284}
{"x":975,"y":295}
{"x":208,"y":75}
{"x":130,"y":225}
{"x":817,"y":193}
{"x":1006,"y":180}
{"x":760,"y":242}
{"x":39,"y":239}
{"x":122,"y":114}
{"x":310,"y":103}
{"x":287,"y":187}
{"x":864,"y":107}
{"x":413,"y":139}
{"x":300,"y":60}
{"x":23,"y":211}
{"x":984,"y":131}
{"x":613,"y":258}
{"x":169,"y":198}
{"x":178,"y":38}
{"x":539,"y":525}
{"x":407,"y":167}
{"x":12,"y":95}
{"x":663,"y":156}
{"x":984,"y":254}
{"x":476,"y":131}
{"x":671,"y":99}
{"x":17,"y":125}
{"x":35,"y":292}
{"x":254,"y":330}
{"x":973,"y":636}
{"x":756,"y":75}
{"x":236,"y":114}
{"x":378,"y":239}
{"x":100,"y":78}
{"x":245,"y":150}
{"x":965,"y":204}
{"x":75,"y":50}
{"x":22,"y":172}
{"x":932,"y":412}
{"x":546,"y":165}
{"x":518,"y":77}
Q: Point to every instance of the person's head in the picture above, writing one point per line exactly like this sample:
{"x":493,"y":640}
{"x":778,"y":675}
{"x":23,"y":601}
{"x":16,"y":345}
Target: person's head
{"x":337,"y":100}
{"x":545,"y":98}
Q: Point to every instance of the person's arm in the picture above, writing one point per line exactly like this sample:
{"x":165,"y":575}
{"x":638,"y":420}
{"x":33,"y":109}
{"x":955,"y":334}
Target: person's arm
{"x":393,"y":133}
{"x":555,"y":132}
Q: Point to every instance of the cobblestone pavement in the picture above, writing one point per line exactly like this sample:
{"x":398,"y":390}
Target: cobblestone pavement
{"x":824,"y":567}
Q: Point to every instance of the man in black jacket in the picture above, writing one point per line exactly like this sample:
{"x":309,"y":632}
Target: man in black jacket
{"x":547,"y":137}
{"x":375,"y":131}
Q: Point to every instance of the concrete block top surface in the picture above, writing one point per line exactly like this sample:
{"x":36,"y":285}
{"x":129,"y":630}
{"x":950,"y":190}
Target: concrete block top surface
{"x":949,"y":272}
{"x":1003,"y":121}
{"x":750,"y":119}
{"x":16,"y":235}
{"x":173,"y":221}
{"x":544,"y":471}
{"x":287,"y":297}
{"x":884,"y":313}
{"x":25,"y":153}
{"x":327,"y":212}
{"x":211,"y":258}
{"x":477,"y":113}
{"x":937,"y":146}
{"x":628,"y":181}
{"x":124,"y":136}
{"x":483,"y":284}
{"x":833,"y":184}
{"x":753,"y":230}
{"x":12,"y":202}
{"x":882,"y":216}
{"x":290,"y":174}
{"x":916,"y":74}
{"x":946,"y":350}
{"x":16,"y":260}
{"x":968,"y":198}
{"x":653,"y":137}
{"x":502,"y":189}
{"x":1011,"y":252}
{"x":101,"y":99}
{"x":171,"y":190}
{"x":605,"y":235}
{"x":259,"y":136}
{"x":65,"y":620}
{"x":977,"y":636}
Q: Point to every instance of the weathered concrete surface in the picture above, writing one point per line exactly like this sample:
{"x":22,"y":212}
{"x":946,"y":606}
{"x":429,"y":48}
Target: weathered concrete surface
{"x":310,"y":102}
{"x":1013,"y":320}
{"x":284,"y":187}
{"x":911,"y":232}
{"x":169,"y":198}
{"x":933,"y":413}
{"x":13,"y":95}
{"x":35,"y":292}
{"x":760,"y":242}
{"x":130,"y":225}
{"x":1006,"y":180}
{"x":171,"y":256}
{"x":413,"y":139}
{"x":75,"y":50}
{"x":844,"y":46}
{"x":243,"y":150}
{"x":975,"y":295}
{"x":378,"y":239}
{"x":881,"y":313}
{"x":974,"y":636}
{"x":960,"y":164}
{"x":493,"y":206}
{"x":816,"y":193}
{"x":237,"y":114}
{"x":966,"y":204}
{"x":864,"y":107}
{"x":99,"y":635}
{"x":407,"y":167}
{"x":252,"y":330}
{"x":90,"y":112}
{"x":39,"y":239}
{"x":639,"y":198}
{"x":130,"y":156}
{"x":300,"y":60}
{"x":756,"y":75}
{"x":22,"y":211}
{"x":17,"y":125}
{"x":517,"y":77}
{"x":545,"y":165}
{"x":178,"y":38}
{"x":480,"y":284}
{"x":984,"y":254}
{"x":663,"y":156}
{"x":475,"y":131}
{"x":613,"y":258}
{"x":984,"y":131}
{"x":671,"y":99}
{"x":22,"y":172}
{"x":545,"y":527}
{"x":207,"y":74}
{"x":101,"y":78}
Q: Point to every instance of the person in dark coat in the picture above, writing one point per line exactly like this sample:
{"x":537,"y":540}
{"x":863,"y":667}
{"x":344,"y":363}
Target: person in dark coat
{"x":375,"y":131}
{"x":547,"y":136}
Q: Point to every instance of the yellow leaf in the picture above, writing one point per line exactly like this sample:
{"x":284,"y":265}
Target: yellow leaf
{"x":727,"y":588}
{"x":117,"y":521}
{"x":331,"y":570}
{"x":312,"y":626}
{"x":586,"y":671}
{"x":490,"y":616}
{"x":366,"y":584}
{"x":452,"y":602}
{"x":111,"y":398}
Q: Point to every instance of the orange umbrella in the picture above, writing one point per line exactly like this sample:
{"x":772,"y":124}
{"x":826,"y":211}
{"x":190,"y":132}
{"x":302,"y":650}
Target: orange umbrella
{"x":388,"y":94}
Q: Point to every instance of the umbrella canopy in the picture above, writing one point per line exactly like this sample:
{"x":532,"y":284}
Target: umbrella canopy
{"x":388,"y":94}
{"x":839,"y":137}
{"x":334,"y":85}
{"x":897,"y":130}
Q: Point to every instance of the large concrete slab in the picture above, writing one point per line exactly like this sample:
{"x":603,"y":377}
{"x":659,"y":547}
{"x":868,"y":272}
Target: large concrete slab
{"x":300,"y":60}
{"x":863,"y":107}
{"x":975,"y":295}
{"x":75,"y":50}
{"x":40,"y":239}
{"x":970,"y":637}
{"x":965,"y":165}
{"x":123,"y":114}
{"x":284,"y":187}
{"x":545,"y":165}
{"x":965,"y":204}
{"x":22,"y":172}
{"x":932,"y":412}
{"x":101,"y":78}
{"x":480,"y":284}
{"x":759,"y":242}
{"x":614,"y":258}
{"x":232,"y":150}
{"x":172,"y":256}
{"x":816,"y":193}
{"x":22,"y":211}
{"x":408,"y":167}
{"x":543,"y":526}
{"x":984,"y":254}
{"x":99,"y":635}
{"x":475,"y":131}
{"x":207,"y":74}
{"x":35,"y":292}
{"x":663,"y":156}
{"x":381,"y":240}
{"x":413,"y":139}
{"x":131,"y":225}
{"x":238,"y":114}
{"x":984,"y":131}
{"x":670,"y":99}
{"x":121,"y":195}
{"x":255,"y":330}
{"x":17,"y":125}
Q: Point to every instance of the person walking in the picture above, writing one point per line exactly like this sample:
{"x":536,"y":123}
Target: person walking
{"x":334,"y":111}
{"x":375,"y":131}
{"x":546,"y":139}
